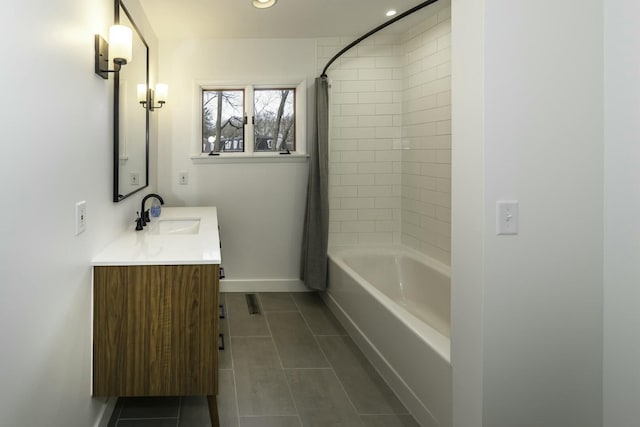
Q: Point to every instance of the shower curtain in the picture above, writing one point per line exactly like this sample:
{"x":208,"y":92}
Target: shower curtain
{"x":315,"y":235}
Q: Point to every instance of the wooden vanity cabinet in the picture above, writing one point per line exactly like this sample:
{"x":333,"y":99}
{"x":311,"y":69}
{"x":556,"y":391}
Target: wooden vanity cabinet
{"x":155,"y":330}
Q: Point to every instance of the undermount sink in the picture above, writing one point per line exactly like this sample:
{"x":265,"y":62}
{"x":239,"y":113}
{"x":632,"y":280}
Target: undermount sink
{"x":176,"y":226}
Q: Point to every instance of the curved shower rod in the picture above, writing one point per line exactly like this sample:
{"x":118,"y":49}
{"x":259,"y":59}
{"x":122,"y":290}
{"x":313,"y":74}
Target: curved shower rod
{"x":375,"y":30}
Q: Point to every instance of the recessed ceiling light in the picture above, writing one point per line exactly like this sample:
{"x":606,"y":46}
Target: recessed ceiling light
{"x":391,"y":12}
{"x":263,"y":4}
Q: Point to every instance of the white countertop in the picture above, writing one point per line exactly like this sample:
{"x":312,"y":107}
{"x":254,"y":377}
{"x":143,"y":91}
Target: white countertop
{"x":146,"y":248}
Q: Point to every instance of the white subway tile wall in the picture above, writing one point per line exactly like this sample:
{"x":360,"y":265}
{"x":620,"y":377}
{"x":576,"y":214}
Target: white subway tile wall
{"x":390,"y":148}
{"x":426,"y":136}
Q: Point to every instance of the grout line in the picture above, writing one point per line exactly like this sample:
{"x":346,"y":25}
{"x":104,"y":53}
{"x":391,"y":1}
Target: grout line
{"x":315,"y":337}
{"x":233,"y":364}
{"x":179,"y":412}
{"x":147,"y":418}
{"x":286,"y":381}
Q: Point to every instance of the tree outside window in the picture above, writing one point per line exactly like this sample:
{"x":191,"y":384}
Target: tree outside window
{"x":223,"y":120}
{"x":274,"y":119}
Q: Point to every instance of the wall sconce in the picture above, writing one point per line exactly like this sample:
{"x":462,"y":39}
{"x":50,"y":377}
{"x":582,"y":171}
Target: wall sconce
{"x":121,"y":46}
{"x":148,"y":97}
{"x":263,"y":4}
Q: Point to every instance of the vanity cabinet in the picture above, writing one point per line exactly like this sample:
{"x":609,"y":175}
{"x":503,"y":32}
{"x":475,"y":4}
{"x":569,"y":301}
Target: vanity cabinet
{"x":155,"y":330}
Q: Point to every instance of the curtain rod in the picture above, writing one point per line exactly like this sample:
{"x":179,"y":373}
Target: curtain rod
{"x":375,"y":30}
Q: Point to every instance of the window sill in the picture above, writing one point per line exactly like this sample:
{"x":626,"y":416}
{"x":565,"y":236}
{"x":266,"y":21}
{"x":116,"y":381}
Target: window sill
{"x":249,"y":158}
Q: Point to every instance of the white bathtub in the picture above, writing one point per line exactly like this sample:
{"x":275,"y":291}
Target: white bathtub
{"x":395,"y":303}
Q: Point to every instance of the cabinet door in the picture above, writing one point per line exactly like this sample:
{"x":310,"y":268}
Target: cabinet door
{"x":155,"y":330}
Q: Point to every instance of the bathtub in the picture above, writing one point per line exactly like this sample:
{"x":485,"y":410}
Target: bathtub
{"x":395,"y":304}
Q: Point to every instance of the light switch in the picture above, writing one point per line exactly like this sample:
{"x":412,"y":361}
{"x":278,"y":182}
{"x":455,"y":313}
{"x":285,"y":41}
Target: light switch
{"x":507,"y":217}
{"x":81,"y":217}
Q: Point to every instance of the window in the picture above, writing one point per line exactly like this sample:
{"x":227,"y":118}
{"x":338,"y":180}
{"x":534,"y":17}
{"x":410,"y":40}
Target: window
{"x":274,"y":119}
{"x":258,"y":120}
{"x":223,"y":120}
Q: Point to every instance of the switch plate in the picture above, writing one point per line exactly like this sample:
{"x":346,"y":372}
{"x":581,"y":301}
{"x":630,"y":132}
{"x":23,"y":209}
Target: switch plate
{"x":183,"y":178}
{"x":81,"y":217}
{"x":507,"y":217}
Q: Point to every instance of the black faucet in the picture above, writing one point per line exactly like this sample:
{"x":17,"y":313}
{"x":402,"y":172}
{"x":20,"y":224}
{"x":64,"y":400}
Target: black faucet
{"x":144,"y":216}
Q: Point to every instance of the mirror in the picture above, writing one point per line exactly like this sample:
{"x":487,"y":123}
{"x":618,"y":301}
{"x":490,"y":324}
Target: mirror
{"x":131,"y":119}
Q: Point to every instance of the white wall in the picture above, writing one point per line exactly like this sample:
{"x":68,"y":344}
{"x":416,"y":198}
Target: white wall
{"x":260,"y":204}
{"x":467,"y":210}
{"x":622,"y":210}
{"x":57,"y":149}
{"x":539,"y":294}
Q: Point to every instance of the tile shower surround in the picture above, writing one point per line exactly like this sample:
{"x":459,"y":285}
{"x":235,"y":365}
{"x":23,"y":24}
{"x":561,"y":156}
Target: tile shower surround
{"x":390,"y":154}
{"x":293,"y":365}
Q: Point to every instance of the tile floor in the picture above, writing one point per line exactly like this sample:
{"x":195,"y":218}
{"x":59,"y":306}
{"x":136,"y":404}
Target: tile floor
{"x":291,"y":365}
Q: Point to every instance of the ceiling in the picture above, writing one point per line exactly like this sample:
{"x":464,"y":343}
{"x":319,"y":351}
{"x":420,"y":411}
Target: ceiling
{"x":205,"y":19}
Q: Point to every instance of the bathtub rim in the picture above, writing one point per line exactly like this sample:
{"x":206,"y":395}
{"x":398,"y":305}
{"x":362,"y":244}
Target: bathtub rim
{"x":440,"y":343}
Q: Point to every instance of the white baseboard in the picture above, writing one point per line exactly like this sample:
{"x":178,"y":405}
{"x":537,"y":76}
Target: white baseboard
{"x":263,"y":285}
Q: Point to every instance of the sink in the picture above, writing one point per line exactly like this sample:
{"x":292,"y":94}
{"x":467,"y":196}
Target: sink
{"x":176,"y":226}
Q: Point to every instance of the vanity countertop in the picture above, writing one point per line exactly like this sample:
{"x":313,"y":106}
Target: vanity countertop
{"x":156,"y":246}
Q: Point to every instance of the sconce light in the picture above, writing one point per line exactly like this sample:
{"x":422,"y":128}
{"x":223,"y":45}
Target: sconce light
{"x":263,"y":4}
{"x":120,"y":44}
{"x":148,"y":97}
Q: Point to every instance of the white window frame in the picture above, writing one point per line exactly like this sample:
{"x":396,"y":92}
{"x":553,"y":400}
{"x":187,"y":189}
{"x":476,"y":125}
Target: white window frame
{"x":249,"y":154}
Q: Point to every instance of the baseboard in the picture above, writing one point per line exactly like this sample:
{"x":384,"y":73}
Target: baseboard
{"x":263,"y":285}
{"x":107,"y":411}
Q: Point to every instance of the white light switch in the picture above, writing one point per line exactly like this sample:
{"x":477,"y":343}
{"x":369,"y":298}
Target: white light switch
{"x":81,"y":217}
{"x":507,"y":217}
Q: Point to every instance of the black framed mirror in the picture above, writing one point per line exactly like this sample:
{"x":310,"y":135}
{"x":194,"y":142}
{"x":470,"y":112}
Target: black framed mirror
{"x":130,"y":118}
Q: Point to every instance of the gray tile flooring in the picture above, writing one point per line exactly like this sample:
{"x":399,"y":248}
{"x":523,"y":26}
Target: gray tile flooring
{"x":292,"y":365}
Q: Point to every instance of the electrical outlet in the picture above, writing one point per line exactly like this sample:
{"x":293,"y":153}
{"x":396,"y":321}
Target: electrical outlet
{"x":183,"y":178}
{"x":81,"y":217}
{"x":134,"y":178}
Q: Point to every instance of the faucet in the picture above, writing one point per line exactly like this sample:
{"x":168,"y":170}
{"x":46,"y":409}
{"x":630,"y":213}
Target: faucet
{"x":144,"y":215}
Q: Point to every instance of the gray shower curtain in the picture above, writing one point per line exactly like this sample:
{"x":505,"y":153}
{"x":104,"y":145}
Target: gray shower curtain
{"x":315,"y":235}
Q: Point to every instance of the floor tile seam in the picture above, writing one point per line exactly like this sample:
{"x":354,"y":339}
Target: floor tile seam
{"x":235,"y":393}
{"x":329,"y":368}
{"x":353,"y":406}
{"x":304,"y":319}
{"x":233,"y":378}
{"x":264,"y":416}
{"x":302,"y":314}
{"x":229,"y":316}
{"x":270,"y":336}
{"x":119,"y":409}
{"x":248,"y":336}
{"x":270,"y":414}
{"x":332,"y":335}
{"x":289,"y":294}
{"x":280,"y":311}
{"x":146,"y":418}
{"x":179,"y":411}
{"x":384,"y":413}
{"x":286,"y":380}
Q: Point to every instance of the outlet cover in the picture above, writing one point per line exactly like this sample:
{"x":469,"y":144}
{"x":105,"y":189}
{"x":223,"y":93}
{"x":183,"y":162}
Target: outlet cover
{"x":134,"y":178}
{"x":81,"y":217}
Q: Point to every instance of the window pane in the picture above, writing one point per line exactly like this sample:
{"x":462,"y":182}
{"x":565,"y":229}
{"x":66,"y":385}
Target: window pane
{"x":274,"y":119}
{"x":223,"y":120}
